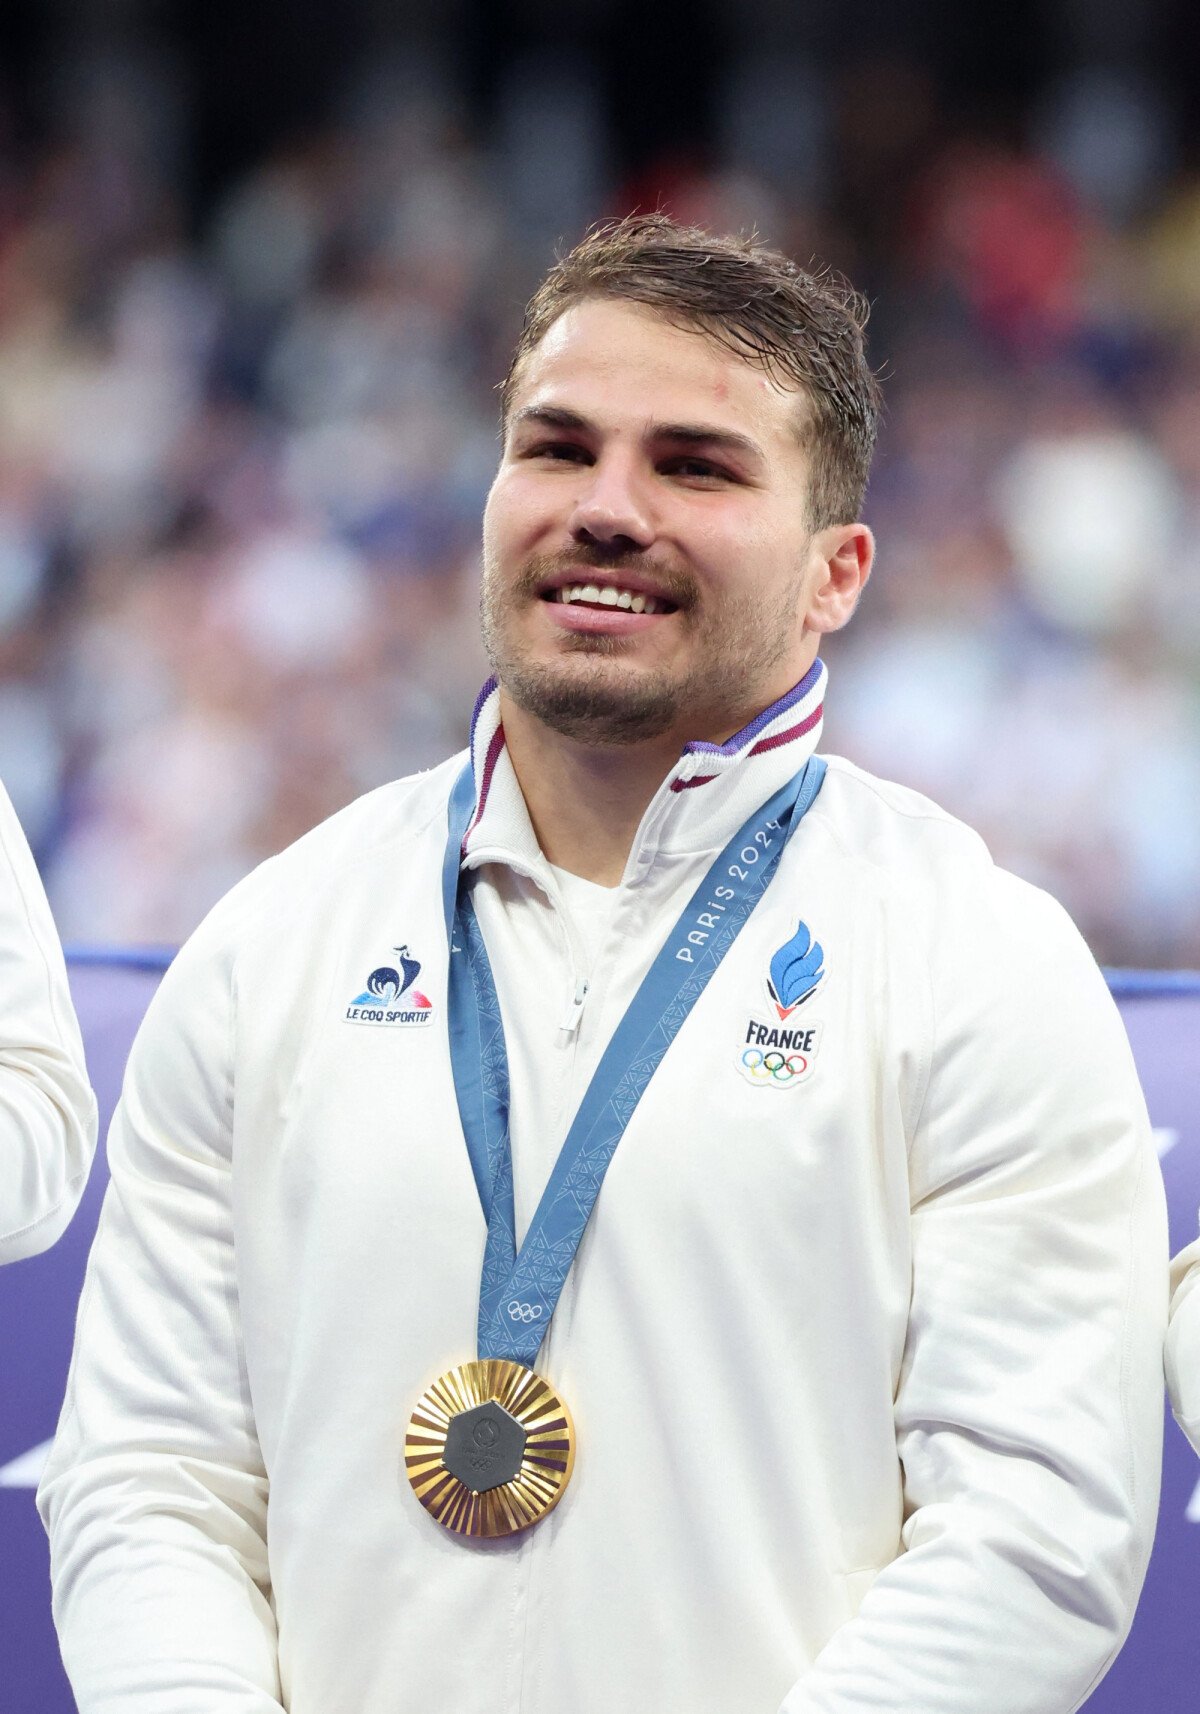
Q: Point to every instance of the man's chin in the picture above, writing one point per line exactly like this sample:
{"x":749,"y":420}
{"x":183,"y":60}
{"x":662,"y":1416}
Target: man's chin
{"x":594,"y":700}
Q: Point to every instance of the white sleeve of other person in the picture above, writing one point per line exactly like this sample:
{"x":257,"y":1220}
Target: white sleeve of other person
{"x":1183,"y":1342}
{"x":47,"y":1109}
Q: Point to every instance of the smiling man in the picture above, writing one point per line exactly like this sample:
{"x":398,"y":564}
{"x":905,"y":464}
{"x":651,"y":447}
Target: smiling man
{"x":645,"y":1217}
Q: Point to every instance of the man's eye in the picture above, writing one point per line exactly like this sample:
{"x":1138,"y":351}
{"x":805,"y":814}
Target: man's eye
{"x":564,"y":451}
{"x":698,"y":467}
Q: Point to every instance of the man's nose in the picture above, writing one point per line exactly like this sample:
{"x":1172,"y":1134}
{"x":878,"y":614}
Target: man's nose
{"x":613,"y":506}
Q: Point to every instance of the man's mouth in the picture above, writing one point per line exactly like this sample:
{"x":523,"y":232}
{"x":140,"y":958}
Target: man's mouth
{"x":609,"y":595}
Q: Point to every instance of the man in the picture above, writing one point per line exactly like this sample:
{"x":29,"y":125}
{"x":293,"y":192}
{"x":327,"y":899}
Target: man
{"x":1183,"y":1342}
{"x":852,"y":1396}
{"x":47,"y":1109}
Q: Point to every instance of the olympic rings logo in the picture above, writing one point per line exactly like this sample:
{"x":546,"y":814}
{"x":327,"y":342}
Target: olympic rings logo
{"x":527,"y":1312}
{"x":773,"y":1066}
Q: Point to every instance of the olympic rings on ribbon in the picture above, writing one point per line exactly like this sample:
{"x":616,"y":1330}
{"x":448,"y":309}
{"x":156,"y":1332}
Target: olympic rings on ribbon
{"x":773,"y":1066}
{"x":526,"y":1312}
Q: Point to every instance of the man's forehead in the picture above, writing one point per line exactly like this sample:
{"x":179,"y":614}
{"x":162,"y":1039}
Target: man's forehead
{"x":627,"y":349}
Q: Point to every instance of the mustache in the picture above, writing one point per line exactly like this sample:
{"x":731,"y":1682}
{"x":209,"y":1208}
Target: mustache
{"x":675,"y":585}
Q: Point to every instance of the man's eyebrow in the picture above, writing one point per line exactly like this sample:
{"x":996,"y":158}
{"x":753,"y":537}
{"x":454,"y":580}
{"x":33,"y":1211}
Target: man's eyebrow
{"x":685,"y":434}
{"x":549,"y":416}
{"x":707,"y":434}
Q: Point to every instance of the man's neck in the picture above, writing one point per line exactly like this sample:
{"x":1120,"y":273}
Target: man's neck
{"x":585,"y":801}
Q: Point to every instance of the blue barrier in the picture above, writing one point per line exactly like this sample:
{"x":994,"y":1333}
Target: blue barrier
{"x":1160,"y":1665}
{"x":149,"y":958}
{"x":1153,"y":984}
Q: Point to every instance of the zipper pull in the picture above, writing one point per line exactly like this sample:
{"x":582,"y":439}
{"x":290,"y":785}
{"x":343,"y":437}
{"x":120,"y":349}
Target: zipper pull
{"x":571,"y":1022}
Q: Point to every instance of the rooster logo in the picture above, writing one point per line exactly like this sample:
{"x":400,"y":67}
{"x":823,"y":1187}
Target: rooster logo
{"x":795,"y":971}
{"x":386,"y":985}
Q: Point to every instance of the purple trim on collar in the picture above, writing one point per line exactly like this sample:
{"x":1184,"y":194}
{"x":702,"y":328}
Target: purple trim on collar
{"x":489,"y":768}
{"x":740,"y":739}
{"x":484,"y":769}
{"x":772,"y":743}
{"x":778,"y":738}
{"x":487,"y":690}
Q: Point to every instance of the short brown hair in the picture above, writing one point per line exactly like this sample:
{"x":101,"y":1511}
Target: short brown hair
{"x":804,"y":329}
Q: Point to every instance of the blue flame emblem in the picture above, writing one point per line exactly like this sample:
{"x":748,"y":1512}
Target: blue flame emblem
{"x":795,"y":971}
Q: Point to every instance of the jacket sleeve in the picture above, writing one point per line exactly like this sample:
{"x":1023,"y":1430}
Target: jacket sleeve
{"x":1183,"y":1342}
{"x":155,"y":1496}
{"x":1028,"y":1409}
{"x":47,"y":1109}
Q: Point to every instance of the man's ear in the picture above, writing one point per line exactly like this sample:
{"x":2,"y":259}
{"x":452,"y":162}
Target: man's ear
{"x":840,"y":561}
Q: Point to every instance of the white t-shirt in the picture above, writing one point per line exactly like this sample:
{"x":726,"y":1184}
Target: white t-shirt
{"x":590,"y":908}
{"x":551,"y":1056}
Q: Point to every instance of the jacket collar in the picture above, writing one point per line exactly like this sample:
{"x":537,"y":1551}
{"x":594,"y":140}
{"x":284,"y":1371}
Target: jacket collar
{"x":705,"y":798}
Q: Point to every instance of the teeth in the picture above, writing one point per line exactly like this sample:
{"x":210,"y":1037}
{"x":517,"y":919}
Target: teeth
{"x":609,"y":597}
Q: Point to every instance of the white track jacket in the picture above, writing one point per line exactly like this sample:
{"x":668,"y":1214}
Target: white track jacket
{"x":863,"y":1346}
{"x":47,"y":1109}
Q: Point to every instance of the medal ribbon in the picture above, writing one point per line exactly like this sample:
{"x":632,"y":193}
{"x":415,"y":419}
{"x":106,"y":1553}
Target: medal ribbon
{"x":518,"y":1292}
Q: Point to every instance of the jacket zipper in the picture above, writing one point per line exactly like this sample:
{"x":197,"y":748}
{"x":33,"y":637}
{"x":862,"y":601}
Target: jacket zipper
{"x":574,"y":1012}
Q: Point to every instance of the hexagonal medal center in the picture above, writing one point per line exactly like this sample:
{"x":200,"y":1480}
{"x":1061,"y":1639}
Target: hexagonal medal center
{"x":484,"y":1447}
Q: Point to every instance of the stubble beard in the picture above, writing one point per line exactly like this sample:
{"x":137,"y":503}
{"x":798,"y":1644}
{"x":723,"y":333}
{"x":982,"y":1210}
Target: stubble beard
{"x":584,"y":694}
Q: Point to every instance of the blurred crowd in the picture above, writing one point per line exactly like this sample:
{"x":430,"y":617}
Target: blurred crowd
{"x":243,"y":459}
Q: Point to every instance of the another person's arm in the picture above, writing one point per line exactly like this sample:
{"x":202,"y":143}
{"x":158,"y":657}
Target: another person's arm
{"x":1029,"y":1404}
{"x":47,"y":1109}
{"x":1183,"y":1342}
{"x":155,"y":1497}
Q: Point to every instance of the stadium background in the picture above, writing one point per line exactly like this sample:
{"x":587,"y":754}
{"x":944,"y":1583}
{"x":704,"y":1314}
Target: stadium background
{"x":260,"y":269}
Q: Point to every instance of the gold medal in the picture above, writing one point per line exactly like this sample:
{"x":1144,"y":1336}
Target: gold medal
{"x":490,"y":1448}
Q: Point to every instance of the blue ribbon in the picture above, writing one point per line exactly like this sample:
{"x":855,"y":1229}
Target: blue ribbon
{"x":519,"y":1291}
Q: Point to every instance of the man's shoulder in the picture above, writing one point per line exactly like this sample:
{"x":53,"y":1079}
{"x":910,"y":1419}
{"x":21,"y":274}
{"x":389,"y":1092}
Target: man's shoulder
{"x":891,"y":826}
{"x":379,"y":822}
{"x":936,"y":862}
{"x":942,"y":871}
{"x":346,"y":850}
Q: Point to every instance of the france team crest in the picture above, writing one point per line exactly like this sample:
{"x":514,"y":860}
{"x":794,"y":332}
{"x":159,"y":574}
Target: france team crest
{"x":776,"y":1052}
{"x":795,"y":972}
{"x":391,"y":995}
